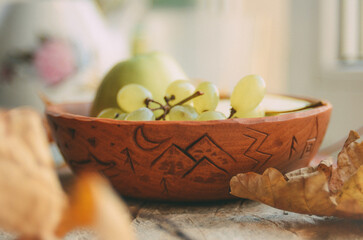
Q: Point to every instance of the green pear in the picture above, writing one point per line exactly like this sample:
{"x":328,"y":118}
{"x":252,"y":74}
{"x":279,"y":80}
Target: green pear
{"x":154,"y":70}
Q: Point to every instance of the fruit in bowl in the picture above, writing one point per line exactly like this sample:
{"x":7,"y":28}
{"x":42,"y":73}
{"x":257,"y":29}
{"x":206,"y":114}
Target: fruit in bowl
{"x":153,"y":70}
{"x":176,"y":157}
{"x":182,"y":102}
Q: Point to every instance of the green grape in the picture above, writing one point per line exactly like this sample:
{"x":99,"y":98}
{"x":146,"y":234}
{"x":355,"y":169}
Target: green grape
{"x":121,"y":116}
{"x":112,"y":113}
{"x":255,"y":113}
{"x":183,"y":113}
{"x":132,"y":97}
{"x":181,"y":89}
{"x":211,"y":115}
{"x":248,"y":93}
{"x":141,"y":114}
{"x":210,"y":98}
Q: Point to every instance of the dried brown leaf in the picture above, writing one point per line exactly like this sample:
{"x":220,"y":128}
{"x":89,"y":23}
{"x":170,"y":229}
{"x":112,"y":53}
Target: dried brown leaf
{"x":349,"y":160}
{"x":80,"y":210}
{"x":93,"y":203}
{"x":32,"y":202}
{"x":324,"y":190}
{"x":307,"y":193}
{"x":350,"y":198}
{"x":31,"y":199}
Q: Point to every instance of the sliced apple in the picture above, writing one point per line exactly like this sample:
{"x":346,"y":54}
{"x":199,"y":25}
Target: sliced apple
{"x":277,"y":104}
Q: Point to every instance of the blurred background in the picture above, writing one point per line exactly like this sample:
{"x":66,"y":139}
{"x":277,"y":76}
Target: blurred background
{"x":63,"y":48}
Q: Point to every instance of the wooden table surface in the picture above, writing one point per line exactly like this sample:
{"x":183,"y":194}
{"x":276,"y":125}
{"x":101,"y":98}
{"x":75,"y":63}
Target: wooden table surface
{"x":232,"y":219}
{"x":238,"y":219}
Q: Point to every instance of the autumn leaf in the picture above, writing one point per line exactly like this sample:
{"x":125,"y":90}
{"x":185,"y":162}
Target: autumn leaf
{"x":350,"y":198}
{"x":94,"y":204}
{"x":32,"y":202}
{"x":329,"y":189}
{"x":31,"y":197}
{"x":349,"y":160}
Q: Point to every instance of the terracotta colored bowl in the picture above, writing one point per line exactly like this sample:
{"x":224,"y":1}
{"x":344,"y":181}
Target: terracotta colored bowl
{"x":188,"y":161}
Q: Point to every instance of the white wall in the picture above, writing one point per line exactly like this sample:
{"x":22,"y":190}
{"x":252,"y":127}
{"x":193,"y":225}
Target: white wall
{"x":222,"y":41}
{"x":314,"y":69}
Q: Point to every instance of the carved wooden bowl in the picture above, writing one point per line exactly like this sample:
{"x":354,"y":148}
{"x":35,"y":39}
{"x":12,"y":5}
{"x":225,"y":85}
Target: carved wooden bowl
{"x":184,"y":161}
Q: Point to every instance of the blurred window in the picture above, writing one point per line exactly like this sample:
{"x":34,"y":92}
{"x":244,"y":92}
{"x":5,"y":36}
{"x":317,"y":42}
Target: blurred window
{"x":351,"y":31}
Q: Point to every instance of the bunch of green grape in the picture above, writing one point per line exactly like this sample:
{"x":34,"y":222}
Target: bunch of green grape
{"x":185,"y":102}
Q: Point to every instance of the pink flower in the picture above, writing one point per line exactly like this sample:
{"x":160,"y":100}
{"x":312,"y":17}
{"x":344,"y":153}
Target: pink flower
{"x":54,"y":61}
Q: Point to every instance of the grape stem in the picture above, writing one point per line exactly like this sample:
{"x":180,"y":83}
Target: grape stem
{"x":167,"y":107}
{"x":168,"y":99}
{"x":233,"y":111}
{"x":194,"y":95}
{"x":149,"y":100}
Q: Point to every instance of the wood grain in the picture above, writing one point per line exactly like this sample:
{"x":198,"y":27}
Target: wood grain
{"x":235,"y":219}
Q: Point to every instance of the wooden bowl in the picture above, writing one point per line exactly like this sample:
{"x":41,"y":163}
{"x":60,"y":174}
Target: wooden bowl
{"x":184,"y":161}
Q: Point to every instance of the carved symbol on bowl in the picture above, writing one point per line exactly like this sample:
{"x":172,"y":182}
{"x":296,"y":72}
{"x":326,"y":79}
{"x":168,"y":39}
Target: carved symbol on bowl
{"x":164,"y":185}
{"x":293,"y":146}
{"x":108,"y":166}
{"x":178,"y":161}
{"x":145,"y":143}
{"x":253,"y":151}
{"x":128,"y":159}
{"x":310,"y":143}
{"x":202,"y":155}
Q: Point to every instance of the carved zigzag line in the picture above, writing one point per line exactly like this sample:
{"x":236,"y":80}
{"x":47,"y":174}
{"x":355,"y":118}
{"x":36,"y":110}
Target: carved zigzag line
{"x":255,"y":146}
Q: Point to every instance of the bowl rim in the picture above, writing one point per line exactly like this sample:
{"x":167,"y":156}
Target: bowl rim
{"x":56,"y":110}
